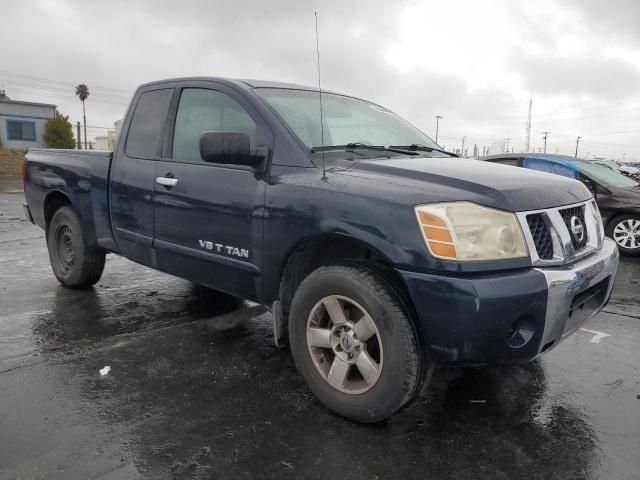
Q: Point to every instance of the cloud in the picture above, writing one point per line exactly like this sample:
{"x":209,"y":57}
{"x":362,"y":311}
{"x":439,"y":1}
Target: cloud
{"x":594,"y":77}
{"x":475,"y":63}
{"x":617,"y":18}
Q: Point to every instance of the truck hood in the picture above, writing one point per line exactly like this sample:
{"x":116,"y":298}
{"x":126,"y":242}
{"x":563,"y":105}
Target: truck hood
{"x":427,"y":179}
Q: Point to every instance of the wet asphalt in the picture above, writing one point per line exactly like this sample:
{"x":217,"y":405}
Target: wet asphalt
{"x":198,"y":390}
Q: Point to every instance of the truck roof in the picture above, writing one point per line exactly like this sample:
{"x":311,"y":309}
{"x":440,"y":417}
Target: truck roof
{"x":240,"y":82}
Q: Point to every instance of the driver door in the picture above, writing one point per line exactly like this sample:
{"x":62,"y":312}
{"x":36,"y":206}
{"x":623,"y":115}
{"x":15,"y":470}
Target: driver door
{"x":208,"y":226}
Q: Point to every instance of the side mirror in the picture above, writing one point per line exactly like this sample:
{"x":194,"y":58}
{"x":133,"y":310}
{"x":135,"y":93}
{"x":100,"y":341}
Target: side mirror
{"x":228,"y":148}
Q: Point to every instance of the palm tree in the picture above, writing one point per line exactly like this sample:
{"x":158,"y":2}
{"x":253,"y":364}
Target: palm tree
{"x":82,"y":91}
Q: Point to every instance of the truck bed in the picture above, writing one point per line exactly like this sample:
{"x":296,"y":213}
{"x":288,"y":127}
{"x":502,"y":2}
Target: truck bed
{"x":79,"y":175}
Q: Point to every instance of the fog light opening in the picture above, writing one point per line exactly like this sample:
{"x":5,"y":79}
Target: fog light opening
{"x":521,"y":331}
{"x":513,"y":331}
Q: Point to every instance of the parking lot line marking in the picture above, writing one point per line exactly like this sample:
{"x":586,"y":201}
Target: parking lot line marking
{"x":597,"y":336}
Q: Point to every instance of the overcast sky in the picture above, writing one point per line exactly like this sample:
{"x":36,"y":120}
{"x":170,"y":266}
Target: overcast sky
{"x":475,"y":63}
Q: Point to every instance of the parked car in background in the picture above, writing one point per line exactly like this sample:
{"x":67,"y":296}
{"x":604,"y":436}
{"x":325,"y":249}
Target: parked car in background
{"x":617,"y":196}
{"x":629,"y":171}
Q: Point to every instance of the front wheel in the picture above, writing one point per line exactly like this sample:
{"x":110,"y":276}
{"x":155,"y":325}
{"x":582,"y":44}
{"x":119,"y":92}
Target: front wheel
{"x":625,"y":231}
{"x":353,"y":343}
{"x":74,"y":262}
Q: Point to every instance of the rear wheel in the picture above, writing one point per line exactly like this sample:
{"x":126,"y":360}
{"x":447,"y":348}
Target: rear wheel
{"x":625,"y":231}
{"x":74,"y":262}
{"x":353,"y":343}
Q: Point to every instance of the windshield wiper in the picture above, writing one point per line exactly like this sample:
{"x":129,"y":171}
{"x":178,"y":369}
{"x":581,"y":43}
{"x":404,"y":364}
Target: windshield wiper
{"x":362,"y":146}
{"x":423,"y":148}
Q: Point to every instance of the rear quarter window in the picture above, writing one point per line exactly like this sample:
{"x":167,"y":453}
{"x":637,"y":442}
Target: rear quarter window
{"x":146,"y":124}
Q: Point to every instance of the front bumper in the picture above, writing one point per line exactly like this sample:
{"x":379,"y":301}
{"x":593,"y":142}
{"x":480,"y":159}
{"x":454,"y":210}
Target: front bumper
{"x":513,"y":316}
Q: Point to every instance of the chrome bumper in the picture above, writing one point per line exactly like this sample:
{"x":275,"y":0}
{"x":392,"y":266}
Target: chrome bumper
{"x":577,"y":292}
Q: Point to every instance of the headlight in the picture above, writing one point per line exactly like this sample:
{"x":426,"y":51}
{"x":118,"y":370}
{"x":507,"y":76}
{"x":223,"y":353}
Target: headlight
{"x":465,"y":231}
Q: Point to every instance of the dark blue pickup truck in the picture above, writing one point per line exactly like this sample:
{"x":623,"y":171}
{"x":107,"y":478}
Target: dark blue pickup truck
{"x":379,"y":254}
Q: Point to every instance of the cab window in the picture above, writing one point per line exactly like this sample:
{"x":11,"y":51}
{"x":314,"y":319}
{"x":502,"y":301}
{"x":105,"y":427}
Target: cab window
{"x":146,"y":124}
{"x":202,"y":110}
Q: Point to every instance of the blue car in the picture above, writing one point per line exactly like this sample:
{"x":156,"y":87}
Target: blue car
{"x":617,"y":196}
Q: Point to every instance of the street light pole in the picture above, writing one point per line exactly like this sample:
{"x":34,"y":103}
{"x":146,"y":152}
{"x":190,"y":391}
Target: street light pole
{"x":438,"y":118}
{"x":577,"y":142}
{"x":545,"y":135}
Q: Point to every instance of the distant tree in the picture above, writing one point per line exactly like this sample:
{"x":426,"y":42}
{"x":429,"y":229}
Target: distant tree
{"x":82,"y":91}
{"x":58,"y":132}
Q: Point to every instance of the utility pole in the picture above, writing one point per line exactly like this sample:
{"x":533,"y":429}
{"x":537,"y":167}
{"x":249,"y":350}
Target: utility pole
{"x":507,"y":145}
{"x":462,"y":148}
{"x":84,"y":117}
{"x":527,"y":141}
{"x":78,"y":135}
{"x":545,"y":135}
{"x":438,"y":118}
{"x":577,"y":142}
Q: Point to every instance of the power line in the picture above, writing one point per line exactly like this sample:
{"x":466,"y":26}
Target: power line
{"x":73,"y":97}
{"x":65,"y":90}
{"x":60,"y":82}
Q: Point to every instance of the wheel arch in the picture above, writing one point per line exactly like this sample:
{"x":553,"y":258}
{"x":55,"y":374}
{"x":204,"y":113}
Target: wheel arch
{"x":53,"y":201}
{"x":56,"y":199}
{"x":618,"y":214}
{"x":335,"y":249}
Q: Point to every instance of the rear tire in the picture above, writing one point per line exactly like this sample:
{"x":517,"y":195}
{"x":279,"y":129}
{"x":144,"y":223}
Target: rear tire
{"x":74,"y":262}
{"x":363,"y":371}
{"x":625,"y":231}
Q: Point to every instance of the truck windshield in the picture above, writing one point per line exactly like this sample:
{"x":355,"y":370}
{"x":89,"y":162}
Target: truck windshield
{"x":347,"y":120}
{"x":605,"y":174}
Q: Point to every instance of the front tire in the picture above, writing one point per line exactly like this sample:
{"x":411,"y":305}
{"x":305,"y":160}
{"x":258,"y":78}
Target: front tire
{"x":353,"y":343}
{"x":625,"y":231}
{"x":74,"y":262}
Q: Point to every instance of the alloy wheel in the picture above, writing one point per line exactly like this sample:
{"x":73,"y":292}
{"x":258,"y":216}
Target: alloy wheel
{"x":344,"y":344}
{"x":627,"y":233}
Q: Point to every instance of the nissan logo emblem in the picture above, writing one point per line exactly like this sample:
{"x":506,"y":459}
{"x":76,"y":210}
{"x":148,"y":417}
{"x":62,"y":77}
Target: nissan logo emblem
{"x":577,"y":229}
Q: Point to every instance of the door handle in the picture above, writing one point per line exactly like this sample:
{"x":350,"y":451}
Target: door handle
{"x":167,"y":182}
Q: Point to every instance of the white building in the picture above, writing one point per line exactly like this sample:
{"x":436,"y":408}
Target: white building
{"x":108,"y":141}
{"x":22,"y":123}
{"x":105,"y":142}
{"x":118,"y":126}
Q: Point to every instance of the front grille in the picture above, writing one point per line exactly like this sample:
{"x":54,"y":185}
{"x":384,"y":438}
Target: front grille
{"x":567,"y":214}
{"x":541,"y":235}
{"x":557,"y":236}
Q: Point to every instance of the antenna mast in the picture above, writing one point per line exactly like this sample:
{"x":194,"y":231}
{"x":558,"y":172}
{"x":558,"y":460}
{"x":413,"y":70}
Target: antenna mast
{"x":324,"y":171}
{"x":526,"y":143}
